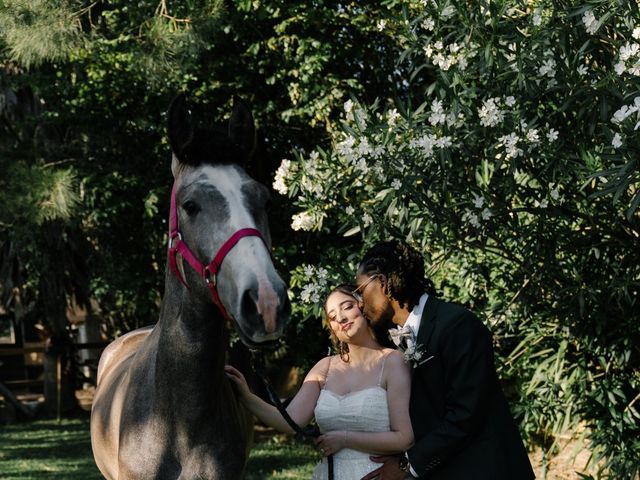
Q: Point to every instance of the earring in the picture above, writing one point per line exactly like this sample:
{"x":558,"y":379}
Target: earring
{"x":343,"y":351}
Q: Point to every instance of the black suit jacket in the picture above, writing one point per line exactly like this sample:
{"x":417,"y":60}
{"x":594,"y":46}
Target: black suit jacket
{"x":460,"y":417}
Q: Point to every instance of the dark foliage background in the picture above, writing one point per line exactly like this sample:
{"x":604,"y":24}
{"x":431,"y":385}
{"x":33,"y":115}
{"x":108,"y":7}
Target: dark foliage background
{"x":84,"y":172}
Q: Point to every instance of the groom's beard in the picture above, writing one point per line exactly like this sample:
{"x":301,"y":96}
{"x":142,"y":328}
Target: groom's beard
{"x":383,"y":319}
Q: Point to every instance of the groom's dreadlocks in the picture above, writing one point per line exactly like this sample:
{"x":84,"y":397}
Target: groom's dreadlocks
{"x":404,"y":268}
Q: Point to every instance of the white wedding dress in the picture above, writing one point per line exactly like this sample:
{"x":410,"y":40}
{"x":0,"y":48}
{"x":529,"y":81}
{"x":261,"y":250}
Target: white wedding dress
{"x":364,"y":410}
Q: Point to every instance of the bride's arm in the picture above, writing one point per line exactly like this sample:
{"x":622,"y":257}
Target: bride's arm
{"x":400,"y":437}
{"x":301,"y":407}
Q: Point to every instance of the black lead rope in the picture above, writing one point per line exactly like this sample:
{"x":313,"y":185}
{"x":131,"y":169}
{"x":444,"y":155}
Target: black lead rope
{"x":310,"y":431}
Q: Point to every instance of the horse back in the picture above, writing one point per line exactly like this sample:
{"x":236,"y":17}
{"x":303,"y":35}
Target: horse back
{"x":106,"y":411}
{"x":121,"y":348}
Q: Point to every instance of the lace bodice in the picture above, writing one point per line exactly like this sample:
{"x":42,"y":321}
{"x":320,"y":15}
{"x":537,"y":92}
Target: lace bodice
{"x":364,"y":410}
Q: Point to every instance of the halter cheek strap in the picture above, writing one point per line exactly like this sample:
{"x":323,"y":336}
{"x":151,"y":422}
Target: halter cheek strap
{"x":209,"y":272}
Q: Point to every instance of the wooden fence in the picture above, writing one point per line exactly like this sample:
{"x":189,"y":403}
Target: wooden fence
{"x":10,"y":389}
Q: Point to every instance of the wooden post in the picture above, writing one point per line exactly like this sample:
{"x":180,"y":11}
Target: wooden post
{"x":58,"y":385}
{"x":11,"y":398}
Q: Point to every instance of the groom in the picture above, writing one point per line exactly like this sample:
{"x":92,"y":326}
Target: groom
{"x":460,"y":417}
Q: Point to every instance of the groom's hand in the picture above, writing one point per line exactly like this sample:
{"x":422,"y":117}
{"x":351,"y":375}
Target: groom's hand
{"x":390,"y":470}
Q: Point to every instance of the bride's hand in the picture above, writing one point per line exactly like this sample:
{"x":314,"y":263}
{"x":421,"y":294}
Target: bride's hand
{"x":238,"y":379}
{"x":332,"y":442}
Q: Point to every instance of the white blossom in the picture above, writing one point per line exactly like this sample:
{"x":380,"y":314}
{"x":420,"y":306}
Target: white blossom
{"x":552,"y":135}
{"x":425,"y":143}
{"x":544,"y":203}
{"x":628,"y":59}
{"x":323,"y":273}
{"x":486,"y":214}
{"x":582,"y":70}
{"x":438,"y":114}
{"x":364,"y":148}
{"x":381,"y":24}
{"x":346,"y":150}
{"x":302,"y":221}
{"x":629,"y":50}
{"x":367,"y":220}
{"x":348,"y":106}
{"x":396,"y":184}
{"x":548,"y":68}
{"x":510,"y":143}
{"x":447,"y":12}
{"x":590,"y":22}
{"x":444,"y":142}
{"x":510,"y":101}
{"x":478,"y":201}
{"x":446,"y":57}
{"x":312,"y":293}
{"x":537,"y":17}
{"x":317,"y":279}
{"x":361,"y":166}
{"x":284,"y":170}
{"x":379,"y":171}
{"x":428,"y":50}
{"x":428,"y":24}
{"x":471,"y":217}
{"x":616,"y":141}
{"x":349,"y":210}
{"x":392,"y":117}
{"x":377,"y":151}
{"x":490,"y":114}
{"x":532,"y":136}
{"x":621,"y":114}
{"x":636,"y":33}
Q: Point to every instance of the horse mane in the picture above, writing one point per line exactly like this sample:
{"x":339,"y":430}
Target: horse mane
{"x":211,"y":147}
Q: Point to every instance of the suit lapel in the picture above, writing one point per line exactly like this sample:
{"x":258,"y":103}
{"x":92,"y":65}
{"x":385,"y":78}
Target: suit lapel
{"x":427,"y":322}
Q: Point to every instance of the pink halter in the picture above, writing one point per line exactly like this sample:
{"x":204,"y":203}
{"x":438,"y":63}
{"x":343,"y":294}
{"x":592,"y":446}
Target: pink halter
{"x":209,"y":272}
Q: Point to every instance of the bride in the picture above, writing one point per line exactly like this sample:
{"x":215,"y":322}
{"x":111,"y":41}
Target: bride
{"x":360,"y":397}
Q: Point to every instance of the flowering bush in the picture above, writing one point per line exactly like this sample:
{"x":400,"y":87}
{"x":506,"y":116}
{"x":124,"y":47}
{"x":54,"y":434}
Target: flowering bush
{"x":509,"y":157}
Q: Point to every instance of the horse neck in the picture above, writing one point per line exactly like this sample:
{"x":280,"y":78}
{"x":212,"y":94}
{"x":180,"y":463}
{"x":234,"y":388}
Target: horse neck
{"x":191,"y":352}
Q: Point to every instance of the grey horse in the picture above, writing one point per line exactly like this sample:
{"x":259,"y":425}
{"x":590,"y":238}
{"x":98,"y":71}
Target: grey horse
{"x":163,"y":408}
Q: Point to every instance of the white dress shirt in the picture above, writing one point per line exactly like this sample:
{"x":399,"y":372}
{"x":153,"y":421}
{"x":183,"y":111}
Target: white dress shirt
{"x":415,"y":317}
{"x":413,"y":320}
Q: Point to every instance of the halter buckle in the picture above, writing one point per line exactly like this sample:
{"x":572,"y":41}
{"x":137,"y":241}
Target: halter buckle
{"x":173,"y":237}
{"x":210,"y":278}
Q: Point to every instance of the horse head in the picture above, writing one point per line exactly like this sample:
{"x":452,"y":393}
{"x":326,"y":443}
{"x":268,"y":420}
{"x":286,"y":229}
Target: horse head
{"x":214,"y":200}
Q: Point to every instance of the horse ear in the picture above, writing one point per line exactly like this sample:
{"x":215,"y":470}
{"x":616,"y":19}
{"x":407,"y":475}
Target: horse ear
{"x":180,"y":126}
{"x":242,"y":131}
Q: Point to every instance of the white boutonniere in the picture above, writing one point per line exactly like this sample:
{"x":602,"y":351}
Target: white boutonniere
{"x":415,"y":355}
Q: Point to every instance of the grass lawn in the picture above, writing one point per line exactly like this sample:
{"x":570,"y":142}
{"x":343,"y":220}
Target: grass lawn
{"x":48,"y":449}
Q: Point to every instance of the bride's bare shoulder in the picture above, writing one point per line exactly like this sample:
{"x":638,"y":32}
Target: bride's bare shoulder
{"x":319,"y":370}
{"x":395,"y":359}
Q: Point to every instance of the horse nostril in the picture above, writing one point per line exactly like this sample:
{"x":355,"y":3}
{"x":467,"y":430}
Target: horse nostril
{"x":248,"y":305}
{"x":265,"y":309}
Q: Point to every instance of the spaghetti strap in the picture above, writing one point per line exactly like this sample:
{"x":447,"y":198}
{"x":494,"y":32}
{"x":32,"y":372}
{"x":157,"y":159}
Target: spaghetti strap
{"x":384,"y":359}
{"x":326,"y":374}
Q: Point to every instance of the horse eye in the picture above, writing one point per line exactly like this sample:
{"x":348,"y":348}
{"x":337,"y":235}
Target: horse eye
{"x":191,"y":207}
